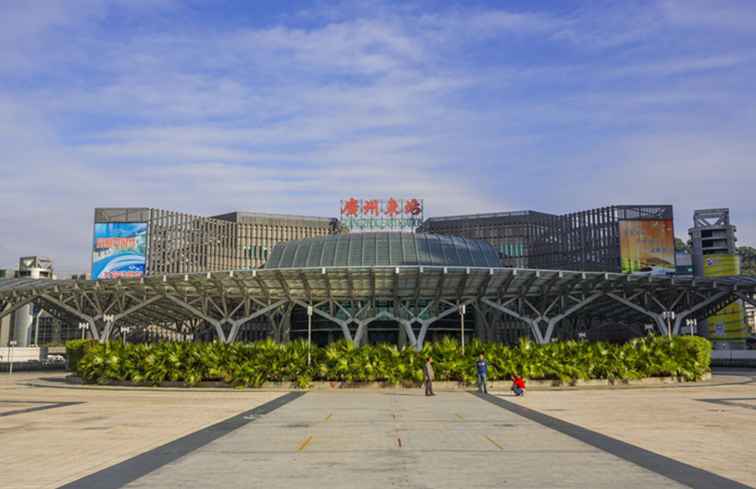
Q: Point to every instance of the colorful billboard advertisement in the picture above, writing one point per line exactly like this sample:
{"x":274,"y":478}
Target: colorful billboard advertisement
{"x":728,"y":324}
{"x":721,"y":265}
{"x":119,"y":250}
{"x":376,"y":214}
{"x":647,"y":245}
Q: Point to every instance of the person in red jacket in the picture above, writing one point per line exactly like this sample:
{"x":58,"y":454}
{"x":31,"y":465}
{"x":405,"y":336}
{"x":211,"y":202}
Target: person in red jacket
{"x":518,"y":385}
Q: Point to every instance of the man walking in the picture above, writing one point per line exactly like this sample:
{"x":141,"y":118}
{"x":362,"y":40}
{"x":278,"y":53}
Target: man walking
{"x":428,"y":377}
{"x":482,"y":366}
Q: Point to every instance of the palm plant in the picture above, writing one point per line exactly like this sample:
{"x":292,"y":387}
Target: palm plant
{"x":252,"y":364}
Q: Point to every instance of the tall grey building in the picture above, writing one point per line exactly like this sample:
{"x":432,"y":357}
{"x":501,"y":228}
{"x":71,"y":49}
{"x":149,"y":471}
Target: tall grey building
{"x":711,"y":234}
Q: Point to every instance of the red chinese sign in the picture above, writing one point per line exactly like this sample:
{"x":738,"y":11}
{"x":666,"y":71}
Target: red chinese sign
{"x":376,"y":214}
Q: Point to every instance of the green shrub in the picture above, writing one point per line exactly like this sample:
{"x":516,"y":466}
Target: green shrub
{"x":252,"y":364}
{"x":75,"y":351}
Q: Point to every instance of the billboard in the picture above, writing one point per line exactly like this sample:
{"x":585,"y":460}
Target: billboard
{"x":377,"y":214}
{"x":727,"y":324}
{"x":721,"y":265}
{"x":119,"y":250}
{"x":647,"y":245}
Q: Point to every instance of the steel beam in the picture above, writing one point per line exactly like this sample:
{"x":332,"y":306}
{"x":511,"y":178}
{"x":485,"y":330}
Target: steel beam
{"x":653,"y":315}
{"x":684,"y":314}
{"x":214,"y":322}
{"x":533,"y":323}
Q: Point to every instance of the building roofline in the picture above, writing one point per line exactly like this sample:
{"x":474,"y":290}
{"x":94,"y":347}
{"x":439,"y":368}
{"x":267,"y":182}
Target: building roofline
{"x":486,"y":215}
{"x":271,"y":215}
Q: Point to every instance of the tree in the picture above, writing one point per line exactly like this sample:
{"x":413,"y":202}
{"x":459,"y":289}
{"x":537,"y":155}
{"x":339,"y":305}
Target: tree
{"x":747,"y":260}
{"x":681,"y":246}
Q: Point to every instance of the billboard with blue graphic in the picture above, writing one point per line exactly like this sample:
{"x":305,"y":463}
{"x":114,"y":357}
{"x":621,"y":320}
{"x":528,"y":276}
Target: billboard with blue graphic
{"x":119,"y":250}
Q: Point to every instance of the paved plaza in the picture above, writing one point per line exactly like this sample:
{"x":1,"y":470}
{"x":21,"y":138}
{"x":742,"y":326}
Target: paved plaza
{"x":91,"y":437}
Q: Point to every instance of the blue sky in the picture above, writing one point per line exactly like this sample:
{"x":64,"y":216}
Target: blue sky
{"x":207,"y":107}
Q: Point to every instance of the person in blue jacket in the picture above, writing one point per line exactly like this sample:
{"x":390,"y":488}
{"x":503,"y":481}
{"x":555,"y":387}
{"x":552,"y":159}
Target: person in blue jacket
{"x":482,"y":367}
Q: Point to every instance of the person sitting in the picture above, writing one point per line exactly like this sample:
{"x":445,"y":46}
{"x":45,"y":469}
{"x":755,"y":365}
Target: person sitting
{"x":518,"y":385}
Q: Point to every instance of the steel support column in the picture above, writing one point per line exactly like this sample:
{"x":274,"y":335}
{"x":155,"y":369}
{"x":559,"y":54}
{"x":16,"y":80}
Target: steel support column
{"x":91,"y":320}
{"x":658,"y":319}
{"x":684,"y":314}
{"x":237,"y":323}
{"x":552,"y":322}
{"x":214,"y":322}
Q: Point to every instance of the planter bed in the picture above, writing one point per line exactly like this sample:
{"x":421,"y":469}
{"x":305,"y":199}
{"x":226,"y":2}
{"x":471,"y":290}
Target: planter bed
{"x":441,"y":386}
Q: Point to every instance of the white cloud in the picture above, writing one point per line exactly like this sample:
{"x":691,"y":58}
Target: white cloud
{"x":727,"y":15}
{"x":688,"y":170}
{"x":368,"y":101}
{"x":683,"y":66}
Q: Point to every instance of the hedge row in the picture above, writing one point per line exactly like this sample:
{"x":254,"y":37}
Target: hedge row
{"x":75,"y":351}
{"x":252,"y":364}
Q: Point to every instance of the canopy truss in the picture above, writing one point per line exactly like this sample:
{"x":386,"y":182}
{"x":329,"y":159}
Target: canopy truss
{"x":353,"y":297}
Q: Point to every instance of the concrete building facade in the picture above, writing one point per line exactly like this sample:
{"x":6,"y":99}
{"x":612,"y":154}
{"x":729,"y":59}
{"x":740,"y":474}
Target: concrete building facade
{"x":176,"y":242}
{"x":22,"y":325}
{"x":590,"y":240}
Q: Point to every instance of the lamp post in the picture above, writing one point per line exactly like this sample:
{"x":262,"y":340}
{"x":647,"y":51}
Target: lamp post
{"x":669,"y":316}
{"x":83,"y":327}
{"x":692,"y":324}
{"x":36,"y":313}
{"x":462,"y":310}
{"x":124,"y":331}
{"x":309,"y":336}
{"x":11,"y":344}
{"x":109,"y":320}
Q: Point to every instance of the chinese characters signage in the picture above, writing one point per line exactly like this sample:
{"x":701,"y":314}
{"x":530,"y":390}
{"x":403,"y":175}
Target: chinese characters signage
{"x":119,"y":250}
{"x":376,"y":214}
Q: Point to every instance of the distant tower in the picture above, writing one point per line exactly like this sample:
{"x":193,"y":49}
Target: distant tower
{"x":23,"y":318}
{"x":715,"y":255}
{"x":711,"y":234}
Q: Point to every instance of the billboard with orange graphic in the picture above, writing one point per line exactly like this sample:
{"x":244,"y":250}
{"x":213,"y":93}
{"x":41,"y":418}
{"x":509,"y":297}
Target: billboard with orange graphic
{"x":647,"y":245}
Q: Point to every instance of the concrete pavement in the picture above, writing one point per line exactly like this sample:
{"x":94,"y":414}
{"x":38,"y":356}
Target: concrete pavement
{"x":86,"y":430}
{"x":397,"y":439}
{"x":142,"y":437}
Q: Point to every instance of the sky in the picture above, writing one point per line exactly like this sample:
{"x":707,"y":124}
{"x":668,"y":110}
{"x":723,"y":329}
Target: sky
{"x":207,"y":107}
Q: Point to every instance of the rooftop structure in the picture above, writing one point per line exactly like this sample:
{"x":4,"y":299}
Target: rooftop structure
{"x":624,"y":238}
{"x":141,"y":241}
{"x":453,"y":282}
{"x":384,"y":249}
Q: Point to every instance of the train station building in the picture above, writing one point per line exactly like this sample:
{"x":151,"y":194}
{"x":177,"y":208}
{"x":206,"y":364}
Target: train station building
{"x":246,"y":276}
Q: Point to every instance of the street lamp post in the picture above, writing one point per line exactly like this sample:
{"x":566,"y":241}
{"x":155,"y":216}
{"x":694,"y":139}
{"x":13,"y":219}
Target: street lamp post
{"x":462,"y":310}
{"x":669,"y":316}
{"x":309,"y":336}
{"x":11,"y":344}
{"x":109,"y":320}
{"x":692,"y":324}
{"x":36,"y":325}
{"x":83,"y":327}
{"x":124,"y":331}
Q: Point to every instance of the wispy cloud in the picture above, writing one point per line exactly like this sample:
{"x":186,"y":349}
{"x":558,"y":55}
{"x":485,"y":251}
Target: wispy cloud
{"x":727,"y":15}
{"x":474,"y":109}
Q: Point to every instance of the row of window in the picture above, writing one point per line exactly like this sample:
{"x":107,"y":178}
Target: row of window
{"x":256,"y":252}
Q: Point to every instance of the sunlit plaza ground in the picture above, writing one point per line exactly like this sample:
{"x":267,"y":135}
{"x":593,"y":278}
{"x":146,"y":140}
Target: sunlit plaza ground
{"x":691,"y":435}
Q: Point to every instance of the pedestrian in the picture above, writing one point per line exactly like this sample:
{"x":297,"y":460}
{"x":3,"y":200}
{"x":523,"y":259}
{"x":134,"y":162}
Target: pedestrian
{"x":428,"y":377}
{"x":482,"y":367}
{"x":518,"y":385}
